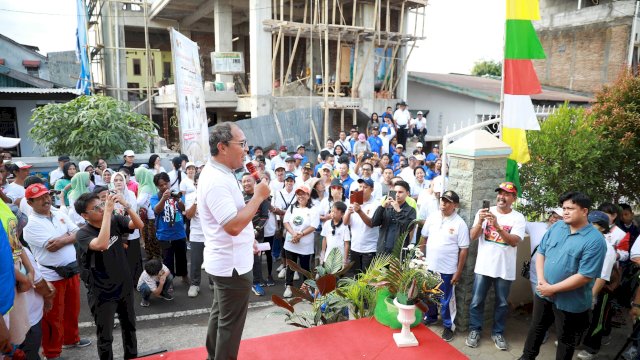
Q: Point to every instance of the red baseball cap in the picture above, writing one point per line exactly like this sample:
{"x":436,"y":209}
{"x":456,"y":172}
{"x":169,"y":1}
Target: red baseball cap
{"x":35,"y":190}
{"x":508,"y":187}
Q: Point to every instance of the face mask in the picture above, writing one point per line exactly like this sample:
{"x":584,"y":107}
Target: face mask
{"x":283,"y":154}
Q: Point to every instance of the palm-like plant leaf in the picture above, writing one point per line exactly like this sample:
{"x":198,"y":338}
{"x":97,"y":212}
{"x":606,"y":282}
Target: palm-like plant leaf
{"x":334,"y":261}
{"x":282,"y":303}
{"x":326,"y":284}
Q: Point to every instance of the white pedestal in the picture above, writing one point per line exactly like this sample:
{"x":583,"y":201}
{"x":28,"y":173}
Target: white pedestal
{"x":403,"y":340}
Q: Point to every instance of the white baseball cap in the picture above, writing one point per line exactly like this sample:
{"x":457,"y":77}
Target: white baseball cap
{"x":129,"y":153}
{"x":419,"y":112}
{"x":8,"y":142}
{"x":419,"y":145}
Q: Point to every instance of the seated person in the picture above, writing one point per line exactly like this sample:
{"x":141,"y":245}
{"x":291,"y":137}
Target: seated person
{"x":156,"y":279}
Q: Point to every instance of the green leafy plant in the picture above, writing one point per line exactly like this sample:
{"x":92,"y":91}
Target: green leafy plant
{"x":487,"y":67}
{"x":89,"y":127}
{"x":318,"y":289}
{"x":566,"y":154}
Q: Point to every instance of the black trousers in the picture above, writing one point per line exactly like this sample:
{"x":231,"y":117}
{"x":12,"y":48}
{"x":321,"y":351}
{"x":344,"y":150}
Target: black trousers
{"x":402,"y":135}
{"x":103,"y":315}
{"x":569,"y":328}
{"x":134,"y":257}
{"x":361,"y":261}
{"x":174,"y":256}
{"x":305,"y":261}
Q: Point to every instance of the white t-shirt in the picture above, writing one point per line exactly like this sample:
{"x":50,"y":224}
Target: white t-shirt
{"x":336,"y":240}
{"x":364,"y":239}
{"x":173,"y":179}
{"x":283,"y":200}
{"x":14,"y":191}
{"x":402,"y":117}
{"x":196,"y":234}
{"x":536,"y":231}
{"x":325,"y":206}
{"x":35,"y":302}
{"x":39,"y":230}
{"x":54,"y":176}
{"x":187,"y":186}
{"x":419,"y":123}
{"x":446,"y":235}
{"x":301,"y":218}
{"x":635,"y":250}
{"x":275,"y":186}
{"x":144,"y":201}
{"x":407,"y":175}
{"x":219,"y":200}
{"x":346,"y":145}
{"x":416,"y":188}
{"x":614,"y":236}
{"x":496,"y":258}
{"x":427,"y":204}
{"x":151,"y":281}
{"x":609,"y":263}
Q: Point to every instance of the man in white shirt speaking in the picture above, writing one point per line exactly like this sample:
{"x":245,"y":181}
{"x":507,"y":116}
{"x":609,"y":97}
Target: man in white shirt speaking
{"x":402,"y":117}
{"x":229,"y":238}
{"x":447,"y":244}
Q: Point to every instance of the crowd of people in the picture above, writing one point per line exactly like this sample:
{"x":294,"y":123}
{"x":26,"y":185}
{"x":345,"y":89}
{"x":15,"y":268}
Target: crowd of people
{"x":131,"y":229}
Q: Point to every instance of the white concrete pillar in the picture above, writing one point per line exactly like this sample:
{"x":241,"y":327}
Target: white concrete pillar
{"x":401,"y":69}
{"x":223,"y":32}
{"x":366,"y":18}
{"x":260,"y":49}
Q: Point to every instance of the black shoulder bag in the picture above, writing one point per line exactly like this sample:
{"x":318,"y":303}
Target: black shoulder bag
{"x":527,"y":264}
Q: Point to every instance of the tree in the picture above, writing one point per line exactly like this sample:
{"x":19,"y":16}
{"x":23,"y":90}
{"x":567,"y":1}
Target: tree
{"x":89,"y":127}
{"x":616,"y":112}
{"x":566,"y":154}
{"x":487,"y":67}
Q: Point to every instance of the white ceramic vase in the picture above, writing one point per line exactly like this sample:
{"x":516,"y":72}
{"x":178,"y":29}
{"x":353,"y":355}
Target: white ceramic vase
{"x":406,"y":317}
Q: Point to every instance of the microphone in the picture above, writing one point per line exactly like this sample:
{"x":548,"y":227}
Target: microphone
{"x":253,"y":171}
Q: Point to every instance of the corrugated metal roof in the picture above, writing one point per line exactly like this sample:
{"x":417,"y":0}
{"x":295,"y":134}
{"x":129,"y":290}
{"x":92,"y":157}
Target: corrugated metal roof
{"x":487,"y":88}
{"x":21,"y":90}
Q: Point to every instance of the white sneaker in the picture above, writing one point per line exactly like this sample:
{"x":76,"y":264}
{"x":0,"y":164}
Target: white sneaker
{"x":287,"y":292}
{"x":296,"y":276}
{"x":193,"y":291}
{"x":280,"y":267}
{"x":630,"y":353}
{"x":282,"y":273}
{"x":585,"y":355}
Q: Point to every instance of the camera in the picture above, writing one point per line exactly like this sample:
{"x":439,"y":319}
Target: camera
{"x":176,"y":194}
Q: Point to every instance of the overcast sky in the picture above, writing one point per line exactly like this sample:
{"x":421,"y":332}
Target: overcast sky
{"x":458,"y":32}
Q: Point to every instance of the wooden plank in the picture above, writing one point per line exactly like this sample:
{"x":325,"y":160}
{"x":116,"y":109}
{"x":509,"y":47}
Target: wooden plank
{"x":273,"y":62}
{"x":292,"y":56}
{"x":337,"y":81}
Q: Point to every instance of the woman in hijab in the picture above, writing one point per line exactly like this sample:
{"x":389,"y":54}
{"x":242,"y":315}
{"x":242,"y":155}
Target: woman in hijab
{"x":134,"y":254}
{"x":146,"y":189}
{"x":68,"y":170}
{"x":86,"y":166}
{"x":79,"y":185}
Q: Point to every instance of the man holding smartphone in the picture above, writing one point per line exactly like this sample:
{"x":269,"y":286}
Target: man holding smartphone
{"x":393,"y":217}
{"x":498,"y":229}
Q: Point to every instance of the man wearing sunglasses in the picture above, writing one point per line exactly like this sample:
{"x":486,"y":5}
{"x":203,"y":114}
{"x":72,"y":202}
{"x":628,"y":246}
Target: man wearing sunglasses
{"x":498,"y":230}
{"x":51,"y":235}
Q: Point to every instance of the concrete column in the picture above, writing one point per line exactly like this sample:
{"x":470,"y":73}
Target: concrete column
{"x":260,"y":49}
{"x":401,"y":69}
{"x":115,"y":59}
{"x":223,"y":32}
{"x":366,"y":18}
{"x":477,"y":164}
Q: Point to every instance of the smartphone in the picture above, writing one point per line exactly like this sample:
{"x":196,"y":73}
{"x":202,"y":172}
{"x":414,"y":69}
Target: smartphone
{"x":486,"y":204}
{"x":392,"y":194}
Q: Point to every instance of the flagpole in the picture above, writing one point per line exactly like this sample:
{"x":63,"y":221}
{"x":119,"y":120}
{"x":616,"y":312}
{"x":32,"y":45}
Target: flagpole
{"x":504,"y":41}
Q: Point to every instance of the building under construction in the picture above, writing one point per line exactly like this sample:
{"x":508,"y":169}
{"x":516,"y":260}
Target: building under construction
{"x":347,"y":57}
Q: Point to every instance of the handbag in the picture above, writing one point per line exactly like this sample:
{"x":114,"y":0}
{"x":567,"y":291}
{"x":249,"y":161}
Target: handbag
{"x":66,"y":271}
{"x":526,"y":265}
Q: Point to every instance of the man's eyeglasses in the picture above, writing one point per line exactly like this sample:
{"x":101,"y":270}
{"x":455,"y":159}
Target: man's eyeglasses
{"x":242,"y":143}
{"x":98,"y":207}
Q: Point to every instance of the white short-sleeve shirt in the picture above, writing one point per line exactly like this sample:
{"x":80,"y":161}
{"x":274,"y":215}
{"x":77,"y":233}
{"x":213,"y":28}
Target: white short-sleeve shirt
{"x":219,"y":200}
{"x":496,"y":258}
{"x":196,"y":234}
{"x":39,"y":230}
{"x":364,"y":239}
{"x":301,"y":218}
{"x":445,"y":237}
{"x":335,"y":239}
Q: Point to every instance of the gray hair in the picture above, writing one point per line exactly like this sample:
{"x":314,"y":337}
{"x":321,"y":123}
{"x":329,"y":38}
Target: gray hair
{"x":221,"y":133}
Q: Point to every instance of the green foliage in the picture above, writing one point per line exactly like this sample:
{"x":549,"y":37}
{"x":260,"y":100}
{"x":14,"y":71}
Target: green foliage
{"x":487,"y":67}
{"x":89,"y":127}
{"x":566,"y":154}
{"x":616,"y":114}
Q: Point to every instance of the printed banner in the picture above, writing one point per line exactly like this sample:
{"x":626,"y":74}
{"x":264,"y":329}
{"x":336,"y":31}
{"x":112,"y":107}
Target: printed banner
{"x":192,"y":114}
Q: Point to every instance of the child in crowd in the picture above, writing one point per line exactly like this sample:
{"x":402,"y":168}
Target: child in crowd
{"x":335,"y":233}
{"x":156,"y":279}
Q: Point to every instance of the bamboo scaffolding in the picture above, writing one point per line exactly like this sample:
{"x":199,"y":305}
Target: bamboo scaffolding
{"x":273,"y":62}
{"x":291,"y":58}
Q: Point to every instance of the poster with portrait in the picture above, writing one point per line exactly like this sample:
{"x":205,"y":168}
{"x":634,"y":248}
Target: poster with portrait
{"x":192,"y":114}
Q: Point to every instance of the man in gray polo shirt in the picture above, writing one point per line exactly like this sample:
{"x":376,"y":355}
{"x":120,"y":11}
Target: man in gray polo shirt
{"x":229,"y":238}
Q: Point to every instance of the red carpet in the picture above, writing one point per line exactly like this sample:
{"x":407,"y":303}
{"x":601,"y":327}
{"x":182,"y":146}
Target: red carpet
{"x":356,"y":339}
